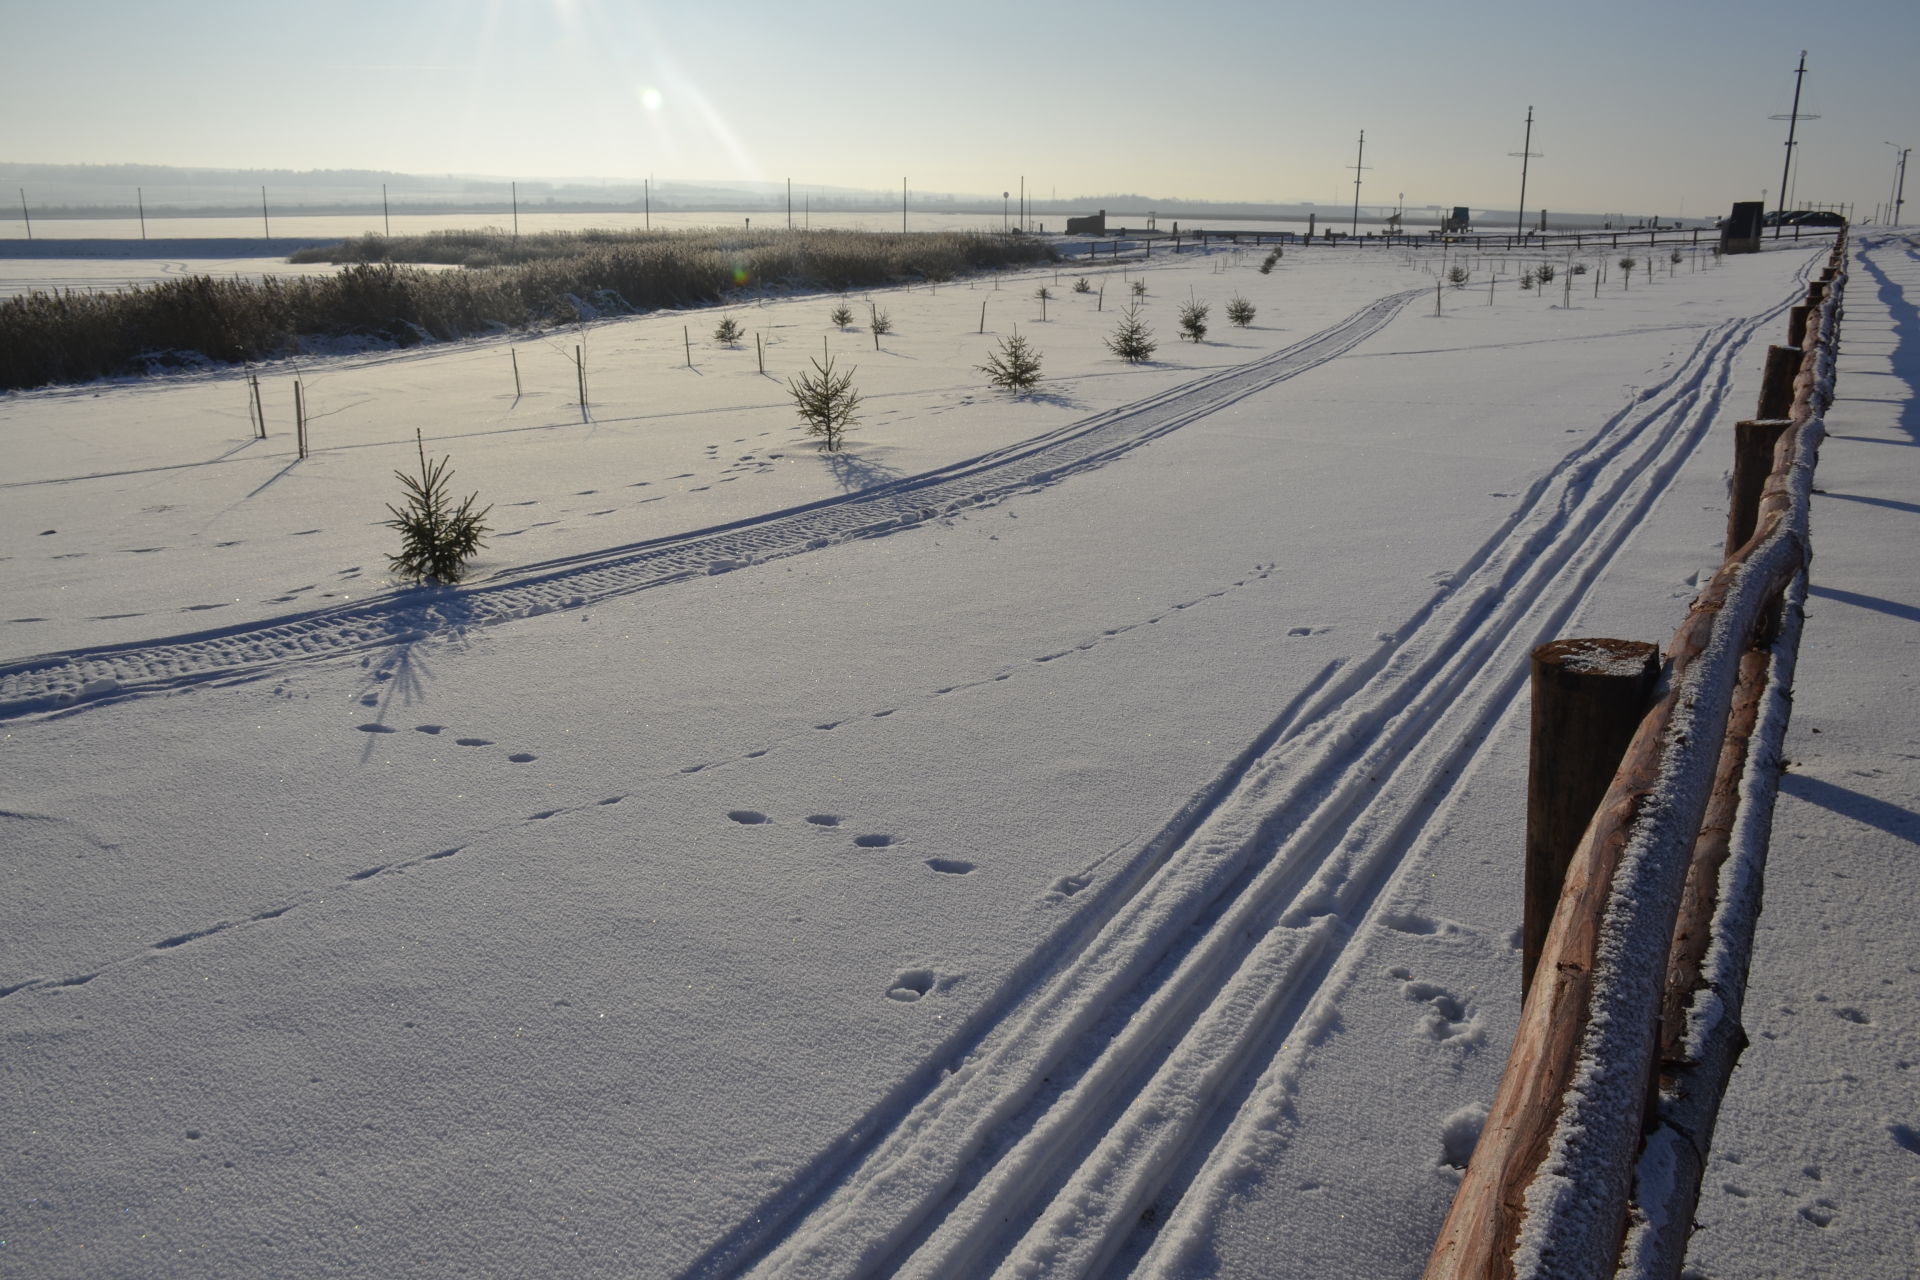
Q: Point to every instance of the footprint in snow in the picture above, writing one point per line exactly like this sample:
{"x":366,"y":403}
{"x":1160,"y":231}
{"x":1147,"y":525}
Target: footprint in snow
{"x":910,"y":984}
{"x":748,"y":817}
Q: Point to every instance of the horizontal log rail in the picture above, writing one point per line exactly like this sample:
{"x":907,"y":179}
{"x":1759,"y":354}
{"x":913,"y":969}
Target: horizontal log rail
{"x":1656,"y":909}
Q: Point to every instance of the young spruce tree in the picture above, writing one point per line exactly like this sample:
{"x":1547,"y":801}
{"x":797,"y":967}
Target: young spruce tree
{"x":1131,"y":340}
{"x":1015,"y":366}
{"x":436,"y":537}
{"x":826,"y":401}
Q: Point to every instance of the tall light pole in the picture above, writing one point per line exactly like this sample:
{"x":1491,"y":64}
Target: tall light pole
{"x":1357,"y":167}
{"x":1526,"y":153}
{"x":1899,"y":184}
{"x":1793,"y":120}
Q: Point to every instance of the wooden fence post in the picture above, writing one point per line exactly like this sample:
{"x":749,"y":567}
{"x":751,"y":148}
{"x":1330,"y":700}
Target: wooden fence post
{"x":1588,"y":699}
{"x":1797,"y":325}
{"x":1776,"y":383}
{"x":1753,"y":446}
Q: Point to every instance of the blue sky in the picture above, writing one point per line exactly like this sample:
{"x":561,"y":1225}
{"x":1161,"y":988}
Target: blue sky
{"x":1639,"y":107}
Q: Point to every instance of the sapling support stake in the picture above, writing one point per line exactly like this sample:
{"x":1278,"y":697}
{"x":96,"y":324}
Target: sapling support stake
{"x":686,"y":340}
{"x":983,"y":315}
{"x":515,"y":357}
{"x":759,"y":353}
{"x":259,"y":409}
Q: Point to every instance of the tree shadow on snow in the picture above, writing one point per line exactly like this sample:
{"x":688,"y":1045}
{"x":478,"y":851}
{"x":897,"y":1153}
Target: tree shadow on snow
{"x":853,"y":473}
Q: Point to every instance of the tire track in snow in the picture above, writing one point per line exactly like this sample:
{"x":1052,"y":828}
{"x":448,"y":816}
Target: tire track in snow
{"x":50,"y":682}
{"x":1107,"y":1087}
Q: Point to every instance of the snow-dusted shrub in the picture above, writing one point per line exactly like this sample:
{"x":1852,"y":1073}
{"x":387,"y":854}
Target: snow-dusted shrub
{"x":1082,"y":286}
{"x":826,"y":401}
{"x":1456,"y":276}
{"x":1544,"y":273}
{"x":436,"y":537}
{"x":1015,"y":366}
{"x":727,"y":331}
{"x":841,"y":316}
{"x":1139,"y":288}
{"x":1240,"y":311}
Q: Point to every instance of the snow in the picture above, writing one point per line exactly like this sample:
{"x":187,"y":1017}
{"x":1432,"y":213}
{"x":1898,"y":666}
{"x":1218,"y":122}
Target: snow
{"x":1097,"y":859}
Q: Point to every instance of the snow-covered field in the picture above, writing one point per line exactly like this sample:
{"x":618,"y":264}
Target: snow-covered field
{"x":1065,"y":835}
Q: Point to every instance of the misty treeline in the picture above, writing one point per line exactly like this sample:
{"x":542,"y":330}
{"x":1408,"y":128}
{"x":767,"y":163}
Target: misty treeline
{"x":511,"y":283}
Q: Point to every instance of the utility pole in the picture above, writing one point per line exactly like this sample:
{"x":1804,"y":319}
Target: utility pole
{"x":140,"y":202}
{"x":789,"y":204}
{"x":25,"y":214}
{"x":903,"y":206}
{"x":386,"y":218}
{"x":1793,"y":124}
{"x":1526,"y":154}
{"x":1899,"y":184}
{"x":266,"y":228}
{"x":1357,"y":167}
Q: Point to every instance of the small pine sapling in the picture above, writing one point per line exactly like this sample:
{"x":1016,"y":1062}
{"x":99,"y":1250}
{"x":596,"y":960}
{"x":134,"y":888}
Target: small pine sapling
{"x":1266,"y":267}
{"x":1457,"y":276}
{"x":1240,"y":311}
{"x":1578,"y":269}
{"x":1544,"y":273}
{"x":842,"y":316}
{"x":1082,"y":285}
{"x":1044,"y":295}
{"x":1131,"y":340}
{"x":1193,"y":320}
{"x":1626,"y":271}
{"x":826,"y":401}
{"x":436,"y":537}
{"x":1015,"y":366}
{"x":881,"y":323}
{"x":1139,"y":288}
{"x":728,"y":331}
{"x":1526,"y":279}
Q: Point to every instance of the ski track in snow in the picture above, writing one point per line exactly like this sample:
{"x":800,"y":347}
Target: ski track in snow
{"x":79,"y":677}
{"x":1140,"y":1063}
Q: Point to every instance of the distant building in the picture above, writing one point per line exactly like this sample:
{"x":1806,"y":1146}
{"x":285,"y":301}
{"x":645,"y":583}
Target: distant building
{"x":1091,"y":225}
{"x":1458,"y":220}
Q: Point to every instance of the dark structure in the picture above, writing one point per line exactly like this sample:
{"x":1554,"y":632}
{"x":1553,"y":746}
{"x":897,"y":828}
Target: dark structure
{"x":1091,"y":225}
{"x":1740,"y":233}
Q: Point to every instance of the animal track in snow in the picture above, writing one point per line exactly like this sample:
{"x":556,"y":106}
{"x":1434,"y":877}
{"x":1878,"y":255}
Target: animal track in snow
{"x":875,"y":841}
{"x":951,"y":866}
{"x":1449,"y":1017}
{"x":910,"y":984}
{"x":748,"y":817}
{"x":1067,"y":886}
{"x":824,"y":819}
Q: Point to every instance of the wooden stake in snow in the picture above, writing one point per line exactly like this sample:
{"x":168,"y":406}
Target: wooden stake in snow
{"x":259,"y":409}
{"x":299,"y":418}
{"x":1588,"y":699}
{"x":759,"y":354}
{"x":515,"y":357}
{"x":580,"y":374}
{"x":687,"y":340}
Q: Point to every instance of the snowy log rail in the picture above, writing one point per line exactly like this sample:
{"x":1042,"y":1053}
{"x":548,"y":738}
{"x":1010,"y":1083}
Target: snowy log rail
{"x":1582,"y":1169}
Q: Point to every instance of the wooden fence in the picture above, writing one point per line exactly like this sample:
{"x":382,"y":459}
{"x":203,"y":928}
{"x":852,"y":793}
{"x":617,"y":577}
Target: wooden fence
{"x":1590,"y":1160}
